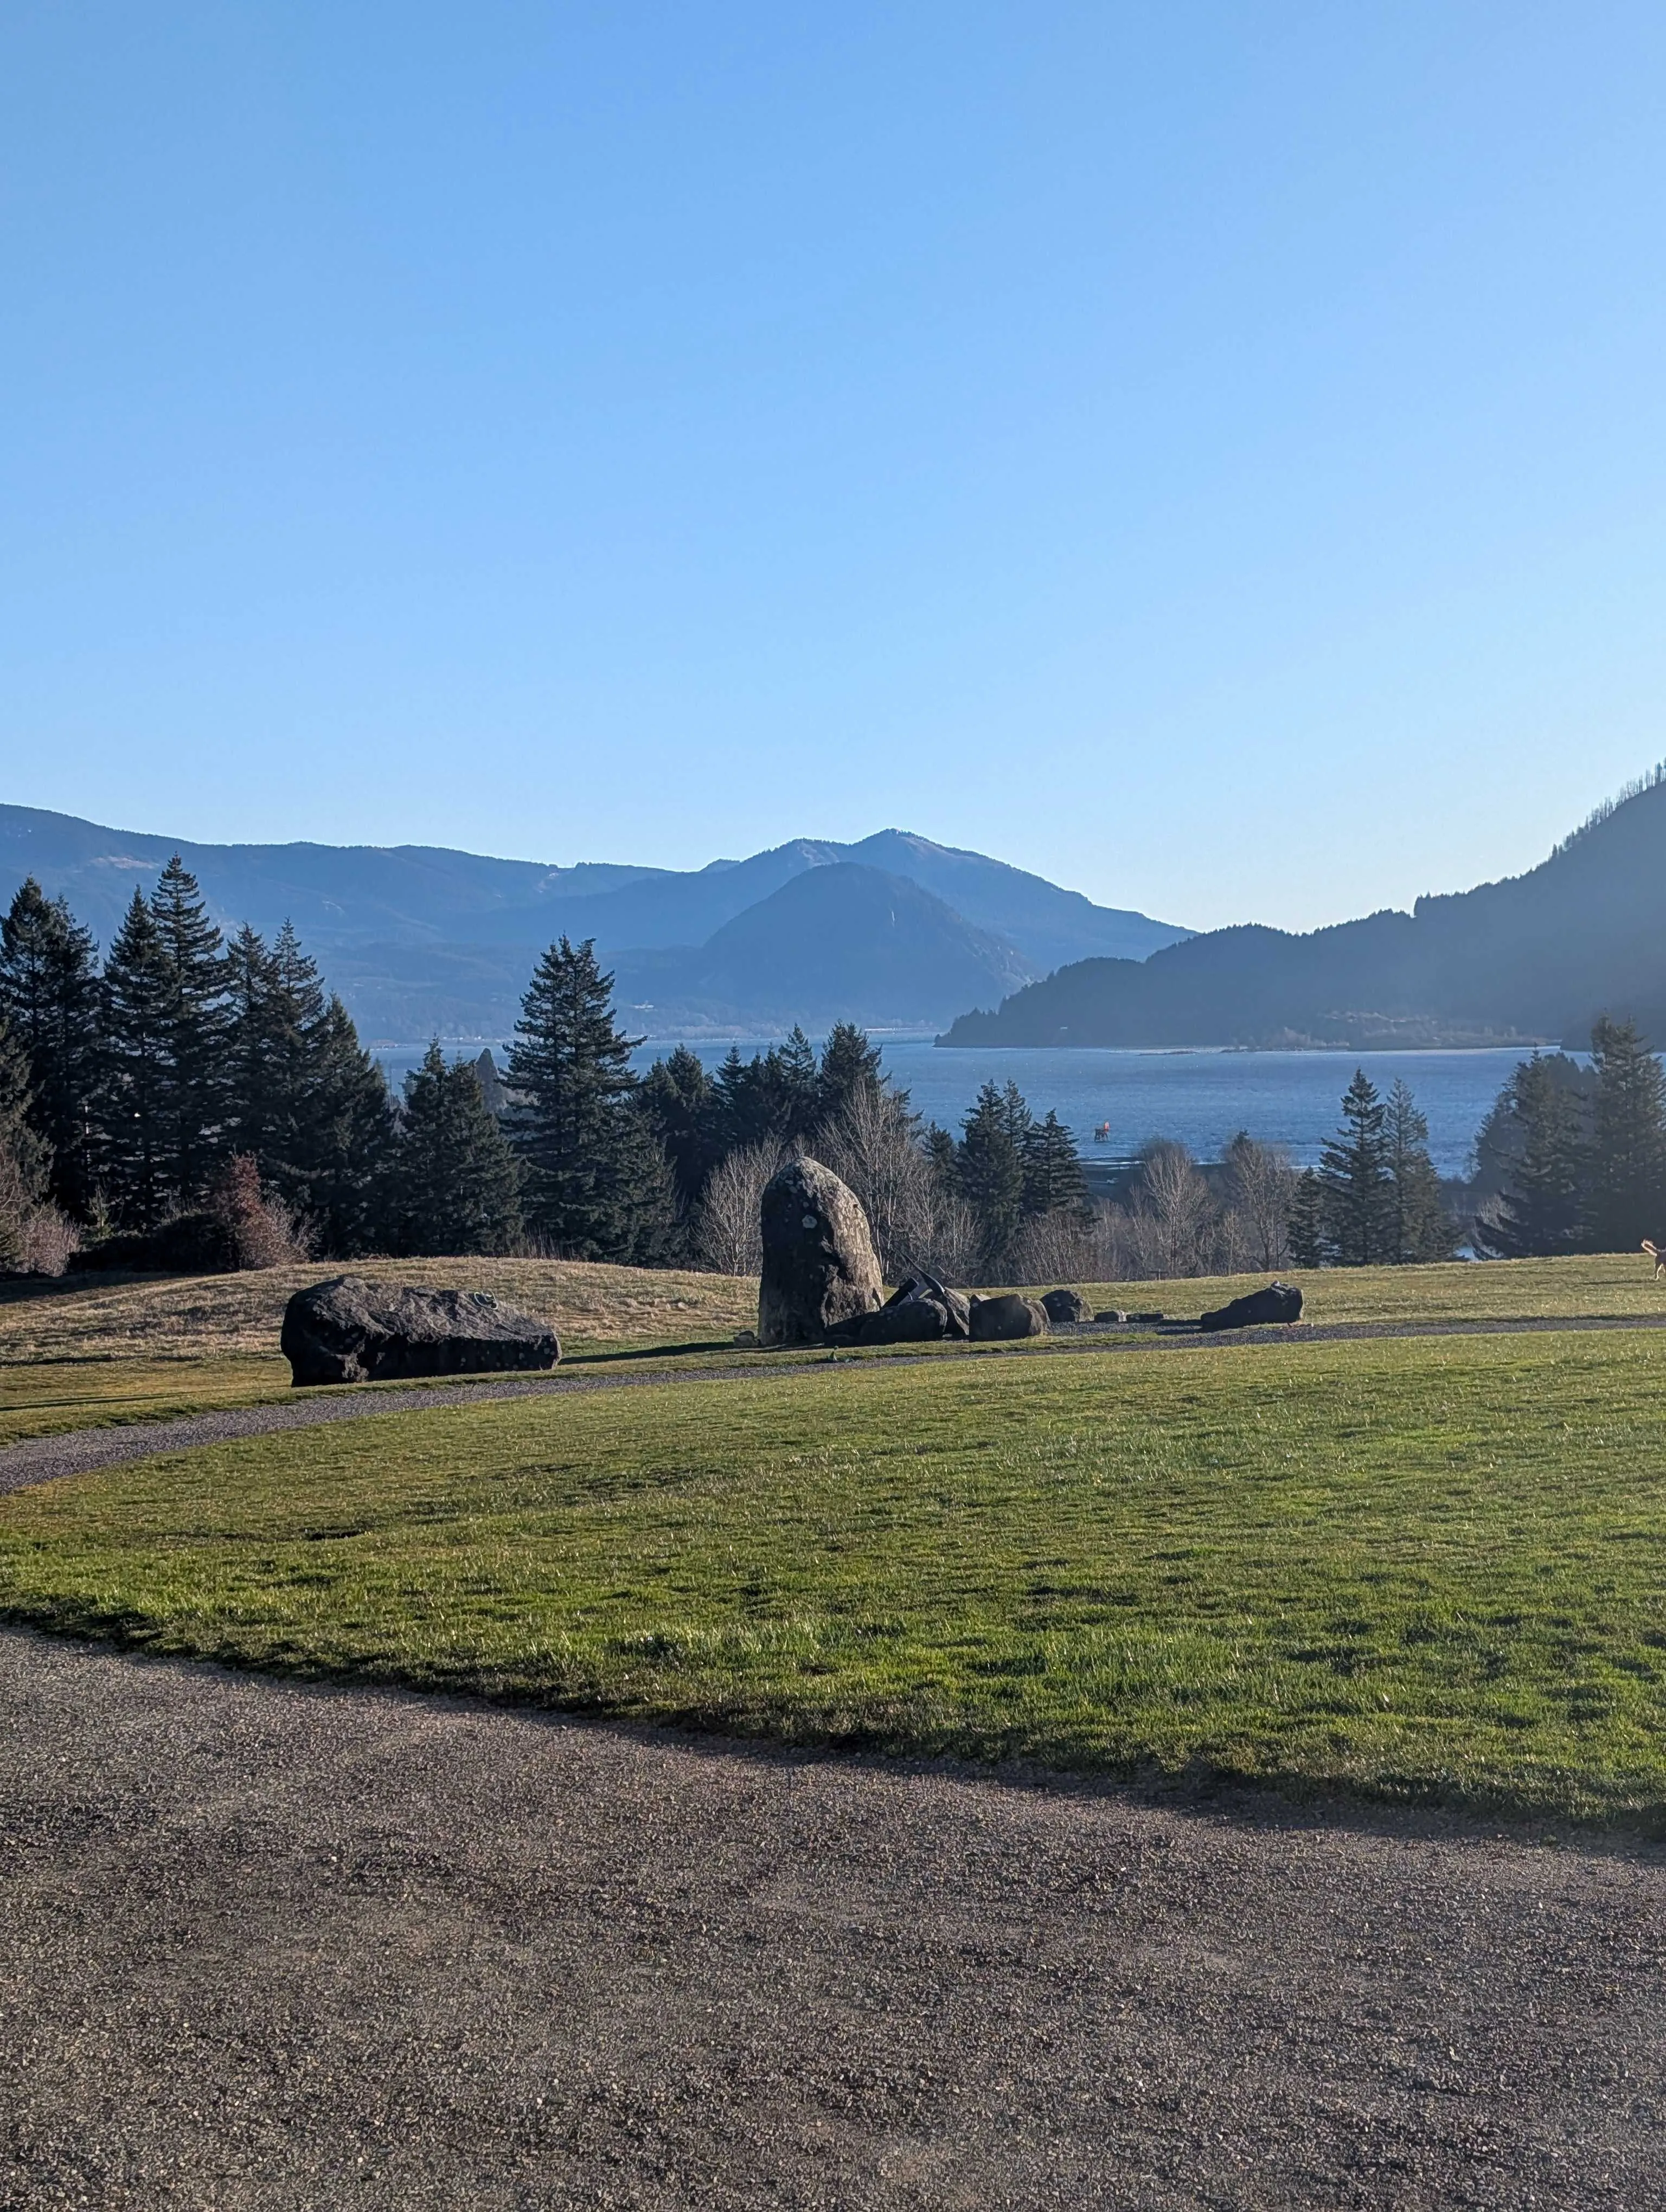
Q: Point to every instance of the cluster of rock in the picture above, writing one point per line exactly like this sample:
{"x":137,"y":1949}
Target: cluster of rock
{"x":821,"y":1282}
{"x":820,"y":1285}
{"x":352,"y":1330}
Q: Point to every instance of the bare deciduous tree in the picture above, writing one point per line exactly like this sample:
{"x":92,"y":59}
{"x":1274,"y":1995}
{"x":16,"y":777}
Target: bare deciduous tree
{"x":1061,"y":1247}
{"x":728,"y":1233}
{"x":874,"y":1147}
{"x":1261,"y":1183}
{"x":1173,"y":1211}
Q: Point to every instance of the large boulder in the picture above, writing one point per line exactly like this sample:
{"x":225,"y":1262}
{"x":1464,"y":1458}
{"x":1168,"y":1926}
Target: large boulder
{"x":919,"y":1311}
{"x":352,"y":1330}
{"x":1000,"y":1320}
{"x":1063,"y":1306}
{"x":1272,"y":1302}
{"x":819,"y":1265}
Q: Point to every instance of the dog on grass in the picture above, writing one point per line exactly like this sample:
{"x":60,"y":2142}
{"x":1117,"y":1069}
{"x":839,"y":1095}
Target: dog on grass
{"x":1657,"y":1253}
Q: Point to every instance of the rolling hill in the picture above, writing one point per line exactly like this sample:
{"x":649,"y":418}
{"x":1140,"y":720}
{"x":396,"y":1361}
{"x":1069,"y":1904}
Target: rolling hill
{"x":1534,"y":956}
{"x":892,"y":930}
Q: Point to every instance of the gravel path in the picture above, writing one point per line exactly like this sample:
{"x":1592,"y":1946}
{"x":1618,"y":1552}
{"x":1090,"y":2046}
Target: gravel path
{"x":81,"y":1451}
{"x":267,"y":1948}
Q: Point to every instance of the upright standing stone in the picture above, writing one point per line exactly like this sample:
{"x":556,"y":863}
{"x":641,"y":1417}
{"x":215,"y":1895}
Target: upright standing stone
{"x":819,"y":1266}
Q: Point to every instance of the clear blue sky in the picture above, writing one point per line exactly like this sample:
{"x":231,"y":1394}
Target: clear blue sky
{"x":1215,"y":455}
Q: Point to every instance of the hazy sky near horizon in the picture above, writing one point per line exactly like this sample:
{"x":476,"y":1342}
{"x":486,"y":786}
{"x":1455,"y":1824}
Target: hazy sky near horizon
{"x":1212,"y":455}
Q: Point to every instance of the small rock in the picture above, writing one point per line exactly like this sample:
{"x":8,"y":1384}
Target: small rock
{"x":1003,"y":1319}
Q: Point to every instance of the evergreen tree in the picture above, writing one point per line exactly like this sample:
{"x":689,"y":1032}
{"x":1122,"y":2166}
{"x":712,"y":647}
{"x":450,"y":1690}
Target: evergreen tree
{"x":1053,"y":1178}
{"x":848,"y":1062}
{"x":774,"y":1098}
{"x":1306,"y":1236}
{"x":990,"y":1164}
{"x":344,"y":1139}
{"x":24,"y":1156}
{"x":1417,"y":1225}
{"x":303,"y":1098}
{"x":595,"y":1183}
{"x":1625,"y":1191}
{"x":49,"y":995}
{"x":1353,"y":1175}
{"x":680,"y":1103}
{"x":280,"y":1034}
{"x":1543,"y":1185}
{"x":458,"y":1189}
{"x":938,"y":1146}
{"x":191,"y":1088}
{"x":133,"y":1121}
{"x":253,"y":1103}
{"x":738,"y":1115}
{"x":793,"y":1087}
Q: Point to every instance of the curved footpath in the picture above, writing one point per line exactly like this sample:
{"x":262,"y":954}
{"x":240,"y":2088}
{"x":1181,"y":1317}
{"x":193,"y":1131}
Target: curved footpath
{"x":83,"y":1451}
{"x":272,"y":1947}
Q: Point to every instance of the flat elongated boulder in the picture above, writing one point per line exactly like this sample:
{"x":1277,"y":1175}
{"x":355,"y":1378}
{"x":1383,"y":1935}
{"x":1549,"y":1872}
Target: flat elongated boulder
{"x":352,"y":1330}
{"x":819,"y":1265}
{"x":1000,"y":1320}
{"x":1272,"y":1302}
{"x":1061,"y":1306}
{"x":920,"y":1310}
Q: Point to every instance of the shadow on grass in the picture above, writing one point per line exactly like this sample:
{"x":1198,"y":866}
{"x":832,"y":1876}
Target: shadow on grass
{"x":1451,"y":1809}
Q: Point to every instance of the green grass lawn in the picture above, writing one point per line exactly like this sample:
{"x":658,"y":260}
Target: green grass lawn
{"x":90,"y":1350}
{"x":47,"y":1397}
{"x":1432,"y":1570}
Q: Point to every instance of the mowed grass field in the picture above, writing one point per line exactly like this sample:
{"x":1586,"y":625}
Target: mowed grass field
{"x":87,"y":1351}
{"x":1428,"y":1570}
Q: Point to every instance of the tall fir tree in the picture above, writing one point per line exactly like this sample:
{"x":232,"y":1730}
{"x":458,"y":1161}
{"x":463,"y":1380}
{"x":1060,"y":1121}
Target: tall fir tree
{"x":1626,"y":1187}
{"x":1353,"y":1175}
{"x":849,"y":1062}
{"x":254,"y":1101}
{"x":990,"y":1164}
{"x":595,"y":1183}
{"x":134,"y":1153}
{"x":302,"y":1097}
{"x":1417,"y":1226}
{"x":793,"y":1087}
{"x":49,"y":994}
{"x":345,"y":1135}
{"x":24,"y":1154}
{"x":937,"y":1144}
{"x":192,"y":1088}
{"x":1542,"y":1212}
{"x":1306,"y":1233}
{"x":1053,"y":1178}
{"x":680,"y":1103}
{"x":457,"y":1186}
{"x":773,"y":1098}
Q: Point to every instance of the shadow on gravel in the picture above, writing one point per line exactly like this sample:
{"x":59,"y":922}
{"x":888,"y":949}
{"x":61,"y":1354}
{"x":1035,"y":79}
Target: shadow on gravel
{"x":1204,"y":1796}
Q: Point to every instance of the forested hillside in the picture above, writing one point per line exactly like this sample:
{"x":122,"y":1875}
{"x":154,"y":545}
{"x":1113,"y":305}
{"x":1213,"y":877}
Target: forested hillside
{"x":419,"y":939}
{"x":1537,"y":956}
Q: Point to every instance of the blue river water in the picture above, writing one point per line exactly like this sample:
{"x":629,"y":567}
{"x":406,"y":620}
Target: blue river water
{"x":1202,"y":1098}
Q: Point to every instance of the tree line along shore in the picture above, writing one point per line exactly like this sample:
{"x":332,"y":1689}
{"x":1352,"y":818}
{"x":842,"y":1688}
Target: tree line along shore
{"x":197,"y":1102}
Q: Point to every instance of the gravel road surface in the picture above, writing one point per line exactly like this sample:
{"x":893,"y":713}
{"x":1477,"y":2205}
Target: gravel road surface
{"x":266,"y":1946}
{"x":81,"y":1451}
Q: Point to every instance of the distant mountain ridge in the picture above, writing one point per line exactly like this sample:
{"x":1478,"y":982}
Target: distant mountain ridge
{"x":895,"y":931}
{"x":1536,"y":955}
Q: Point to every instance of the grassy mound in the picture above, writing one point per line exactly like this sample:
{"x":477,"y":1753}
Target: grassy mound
{"x":1429,"y":1570}
{"x":87,"y":1350}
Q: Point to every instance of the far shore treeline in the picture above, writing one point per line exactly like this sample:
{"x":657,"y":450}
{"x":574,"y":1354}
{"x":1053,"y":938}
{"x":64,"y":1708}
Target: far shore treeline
{"x":195,"y":1102}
